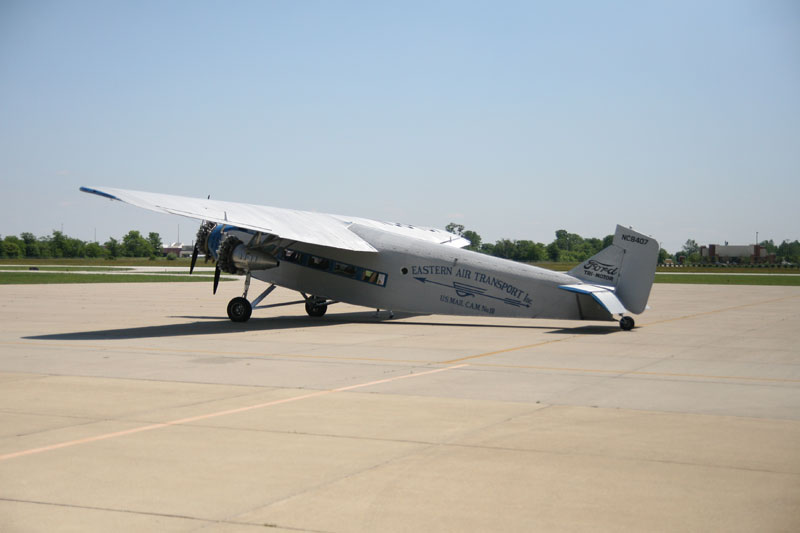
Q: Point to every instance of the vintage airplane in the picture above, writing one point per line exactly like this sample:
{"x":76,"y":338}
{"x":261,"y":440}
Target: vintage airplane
{"x":331,"y":258}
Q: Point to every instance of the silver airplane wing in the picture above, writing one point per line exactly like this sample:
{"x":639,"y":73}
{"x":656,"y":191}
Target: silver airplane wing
{"x":303,"y":226}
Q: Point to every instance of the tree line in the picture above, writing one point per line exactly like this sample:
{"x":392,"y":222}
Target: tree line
{"x":572,"y":248}
{"x":58,"y":245}
{"x":566,"y":247}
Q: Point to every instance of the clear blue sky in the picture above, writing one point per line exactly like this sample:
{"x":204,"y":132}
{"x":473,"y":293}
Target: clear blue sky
{"x":681,"y":119}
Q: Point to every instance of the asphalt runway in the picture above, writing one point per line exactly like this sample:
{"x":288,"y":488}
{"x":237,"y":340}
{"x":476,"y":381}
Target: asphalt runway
{"x":140,"y":407}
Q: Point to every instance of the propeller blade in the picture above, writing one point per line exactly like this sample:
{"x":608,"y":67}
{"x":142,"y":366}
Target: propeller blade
{"x":216,"y":278}
{"x":194,"y":258}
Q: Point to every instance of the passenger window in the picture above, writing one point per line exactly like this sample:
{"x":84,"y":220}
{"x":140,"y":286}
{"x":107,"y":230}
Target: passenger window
{"x":290,"y":256}
{"x":343,"y":269}
{"x":334,"y":267}
{"x":320,"y":263}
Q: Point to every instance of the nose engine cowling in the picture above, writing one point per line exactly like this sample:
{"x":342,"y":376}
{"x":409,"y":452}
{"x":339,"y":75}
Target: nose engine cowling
{"x":224,"y":244}
{"x":234,"y":257}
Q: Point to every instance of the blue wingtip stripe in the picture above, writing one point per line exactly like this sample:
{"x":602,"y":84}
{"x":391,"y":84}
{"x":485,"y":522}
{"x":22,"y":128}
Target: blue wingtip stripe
{"x":100,"y":193}
{"x":571,"y":289}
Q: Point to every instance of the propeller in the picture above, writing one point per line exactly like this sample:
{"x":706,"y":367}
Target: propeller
{"x":217,"y":272}
{"x":194,"y":258}
{"x":201,"y":243}
{"x":202,"y":237}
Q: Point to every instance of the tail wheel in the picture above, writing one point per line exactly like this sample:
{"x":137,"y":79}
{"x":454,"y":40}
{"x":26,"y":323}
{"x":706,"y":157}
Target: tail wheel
{"x":626,"y":323}
{"x":239,"y":309}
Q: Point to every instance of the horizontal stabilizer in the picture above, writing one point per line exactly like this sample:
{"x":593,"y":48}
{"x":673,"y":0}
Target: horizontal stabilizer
{"x":602,"y":295}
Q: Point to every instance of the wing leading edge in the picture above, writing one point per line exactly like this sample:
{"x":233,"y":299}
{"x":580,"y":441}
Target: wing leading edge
{"x":303,"y":226}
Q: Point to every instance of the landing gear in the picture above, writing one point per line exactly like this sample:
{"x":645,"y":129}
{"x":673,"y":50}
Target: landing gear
{"x":239,"y":309}
{"x":626,"y":323}
{"x":316,"y":307}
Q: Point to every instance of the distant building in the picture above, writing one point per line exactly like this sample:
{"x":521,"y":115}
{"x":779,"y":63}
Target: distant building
{"x":179,"y":249}
{"x":736,"y":253}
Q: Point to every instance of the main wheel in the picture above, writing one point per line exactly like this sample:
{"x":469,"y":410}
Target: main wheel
{"x":315,"y":309}
{"x":239,"y":309}
{"x":626,"y":323}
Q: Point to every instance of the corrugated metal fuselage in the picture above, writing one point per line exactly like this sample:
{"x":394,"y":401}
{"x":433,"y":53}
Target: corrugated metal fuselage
{"x":409,"y":275}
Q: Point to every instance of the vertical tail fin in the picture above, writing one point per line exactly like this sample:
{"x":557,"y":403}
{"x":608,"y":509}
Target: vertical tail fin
{"x":628,"y":265}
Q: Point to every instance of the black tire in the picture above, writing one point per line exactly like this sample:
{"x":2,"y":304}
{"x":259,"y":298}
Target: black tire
{"x":315,"y":309}
{"x":239,"y":309}
{"x":626,"y":323}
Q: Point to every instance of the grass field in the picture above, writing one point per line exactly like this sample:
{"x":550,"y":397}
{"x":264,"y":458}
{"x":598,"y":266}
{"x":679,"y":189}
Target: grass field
{"x":96,"y":262}
{"x":59,"y":271}
{"x":42,"y":277}
{"x":89,"y":263}
{"x":76,"y":268}
{"x":729,"y":270}
{"x":564,"y":267}
{"x":29,"y":278}
{"x":728,"y":279}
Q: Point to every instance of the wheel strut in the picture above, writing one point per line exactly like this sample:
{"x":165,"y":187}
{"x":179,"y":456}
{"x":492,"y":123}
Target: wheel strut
{"x":263,"y":295}
{"x":246,"y":284}
{"x":240,"y":309}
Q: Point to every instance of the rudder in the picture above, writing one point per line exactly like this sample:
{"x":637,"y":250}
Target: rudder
{"x":628,"y":266}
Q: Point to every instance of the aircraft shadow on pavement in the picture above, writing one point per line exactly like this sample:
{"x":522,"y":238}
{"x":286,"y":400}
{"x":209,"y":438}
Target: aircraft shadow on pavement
{"x":588,"y":330}
{"x":208,"y":325}
{"x":201,"y":326}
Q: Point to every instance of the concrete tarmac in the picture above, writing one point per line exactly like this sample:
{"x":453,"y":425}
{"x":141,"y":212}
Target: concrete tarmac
{"x":133,"y":407}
